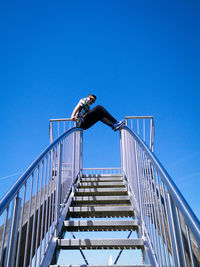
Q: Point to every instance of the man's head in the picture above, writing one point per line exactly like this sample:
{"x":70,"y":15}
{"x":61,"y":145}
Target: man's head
{"x":92,"y":98}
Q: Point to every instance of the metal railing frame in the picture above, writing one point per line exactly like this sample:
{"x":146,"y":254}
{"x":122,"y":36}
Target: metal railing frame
{"x":33,"y":208}
{"x":61,"y":125}
{"x":169,"y":226}
{"x":141,"y":123}
{"x":58,"y":126}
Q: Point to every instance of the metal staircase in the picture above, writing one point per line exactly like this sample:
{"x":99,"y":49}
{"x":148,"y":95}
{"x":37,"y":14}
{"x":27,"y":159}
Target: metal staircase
{"x":100,"y":196}
{"x":56,"y":197}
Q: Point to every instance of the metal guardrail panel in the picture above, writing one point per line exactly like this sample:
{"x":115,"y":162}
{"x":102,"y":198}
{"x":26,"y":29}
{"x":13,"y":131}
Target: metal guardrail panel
{"x":168,"y":223}
{"x":30,"y":212}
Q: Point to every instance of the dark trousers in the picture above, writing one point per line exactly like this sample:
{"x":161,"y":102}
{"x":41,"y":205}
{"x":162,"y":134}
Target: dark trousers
{"x":96,"y":114}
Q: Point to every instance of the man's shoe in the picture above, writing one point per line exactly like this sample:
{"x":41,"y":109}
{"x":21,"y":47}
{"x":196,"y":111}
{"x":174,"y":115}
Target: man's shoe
{"x":117,"y":125}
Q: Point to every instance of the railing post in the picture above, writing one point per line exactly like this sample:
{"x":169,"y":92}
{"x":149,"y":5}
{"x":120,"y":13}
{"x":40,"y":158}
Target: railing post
{"x":73,"y":156}
{"x":123,"y":154}
{"x":58,"y":186}
{"x":150,"y":139}
{"x":81,"y":154}
{"x":138,"y":187}
{"x":13,"y":234}
{"x":177,"y":245}
{"x":51,"y":131}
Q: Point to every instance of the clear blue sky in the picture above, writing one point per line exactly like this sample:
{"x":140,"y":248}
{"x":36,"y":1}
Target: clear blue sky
{"x":138,"y":57}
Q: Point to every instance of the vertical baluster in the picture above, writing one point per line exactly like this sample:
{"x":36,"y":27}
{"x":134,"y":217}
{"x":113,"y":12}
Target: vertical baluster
{"x":139,"y":189}
{"x":162,"y":220}
{"x":20,"y":229}
{"x":168,"y":220}
{"x":181,"y":239}
{"x":190,"y":246}
{"x":28,"y":222}
{"x":143,"y":193}
{"x":138,"y":127}
{"x":13,"y":232}
{"x":172,"y":232}
{"x":42,"y":232}
{"x":52,"y":220}
{"x":39,"y":218}
{"x":48,"y":215}
{"x":150,"y":139}
{"x":3,"y":236}
{"x":150,"y":209}
{"x":58,"y":129}
{"x":58,"y":188}
{"x":34,"y":217}
{"x":155,"y":215}
{"x":132,"y":124}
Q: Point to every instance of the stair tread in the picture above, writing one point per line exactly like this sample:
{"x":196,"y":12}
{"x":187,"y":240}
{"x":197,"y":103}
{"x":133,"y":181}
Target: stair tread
{"x":101,"y":175}
{"x":114,"y":225}
{"x":101,"y":191}
{"x":83,"y":265}
{"x":123,"y":243}
{"x":101,"y":211}
{"x":101,"y":184}
{"x":98,"y":198}
{"x":100,"y":208}
{"x":104,"y":189}
{"x":101,"y":199}
{"x":100,"y":179}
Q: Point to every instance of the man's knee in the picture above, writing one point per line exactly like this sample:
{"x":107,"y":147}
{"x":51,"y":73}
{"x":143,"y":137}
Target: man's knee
{"x":99,"y":107}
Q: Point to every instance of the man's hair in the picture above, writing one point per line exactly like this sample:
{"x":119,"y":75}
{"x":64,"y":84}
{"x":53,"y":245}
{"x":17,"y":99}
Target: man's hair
{"x":94,"y":96}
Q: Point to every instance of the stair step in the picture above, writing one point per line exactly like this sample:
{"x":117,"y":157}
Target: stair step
{"x":101,"y":175}
{"x":101,"y":184}
{"x":91,"y":225}
{"x":83,"y":265}
{"x":100,"y":243}
{"x":108,"y":211}
{"x":102,"y":179}
{"x":101,"y":199}
{"x":100,"y":191}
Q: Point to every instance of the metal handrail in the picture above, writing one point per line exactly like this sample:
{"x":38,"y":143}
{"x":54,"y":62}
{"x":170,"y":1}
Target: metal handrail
{"x":189,"y":215}
{"x":16,"y":187}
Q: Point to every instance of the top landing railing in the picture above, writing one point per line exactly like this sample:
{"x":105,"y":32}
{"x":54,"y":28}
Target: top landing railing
{"x":59,"y":126}
{"x":32,"y":210}
{"x":142,"y":125}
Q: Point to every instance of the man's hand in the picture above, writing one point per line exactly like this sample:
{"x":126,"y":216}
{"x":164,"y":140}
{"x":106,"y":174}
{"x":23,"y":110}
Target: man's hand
{"x":74,"y":119}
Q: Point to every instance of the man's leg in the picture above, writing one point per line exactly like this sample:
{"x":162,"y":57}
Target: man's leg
{"x":98,"y":113}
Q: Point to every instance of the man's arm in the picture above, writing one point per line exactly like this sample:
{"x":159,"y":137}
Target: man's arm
{"x":75,"y":111}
